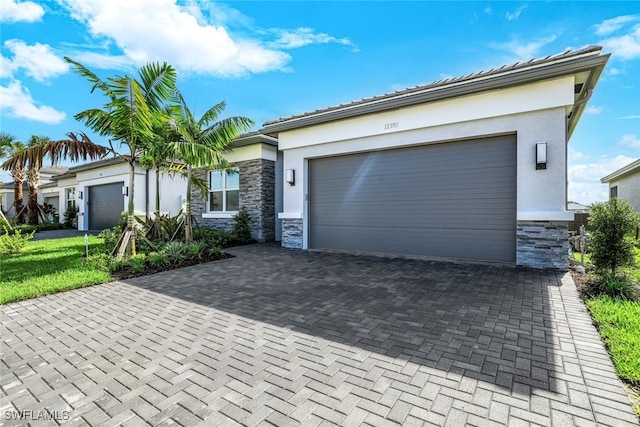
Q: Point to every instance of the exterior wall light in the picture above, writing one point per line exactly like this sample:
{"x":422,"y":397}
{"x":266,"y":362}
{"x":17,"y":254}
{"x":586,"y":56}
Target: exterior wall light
{"x":125,"y":190}
{"x":541,"y":155}
{"x":291,"y":176}
{"x":80,"y":195}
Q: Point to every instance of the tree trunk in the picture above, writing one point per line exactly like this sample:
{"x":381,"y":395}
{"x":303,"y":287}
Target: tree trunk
{"x":33,"y":176}
{"x":18,"y":175}
{"x":128,"y":243}
{"x":188,"y":226}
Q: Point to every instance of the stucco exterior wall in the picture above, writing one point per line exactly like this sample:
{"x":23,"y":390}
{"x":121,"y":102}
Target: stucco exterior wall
{"x":534,"y":113}
{"x":629,"y":188}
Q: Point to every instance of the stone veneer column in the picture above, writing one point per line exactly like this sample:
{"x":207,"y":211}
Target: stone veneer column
{"x":292,"y":233}
{"x":542,"y":244}
{"x":257,"y":194}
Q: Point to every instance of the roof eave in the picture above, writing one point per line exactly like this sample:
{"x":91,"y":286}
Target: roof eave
{"x":630,"y":168}
{"x":595,"y":62}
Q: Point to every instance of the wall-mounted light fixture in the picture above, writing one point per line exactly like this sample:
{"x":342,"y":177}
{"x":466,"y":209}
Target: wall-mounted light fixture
{"x":125,"y":190}
{"x":80,"y":195}
{"x":541,"y":155}
{"x":290,"y":176}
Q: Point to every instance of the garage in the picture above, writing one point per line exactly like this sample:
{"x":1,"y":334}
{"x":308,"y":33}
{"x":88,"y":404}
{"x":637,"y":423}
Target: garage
{"x":453,"y":200}
{"x":105,"y":205}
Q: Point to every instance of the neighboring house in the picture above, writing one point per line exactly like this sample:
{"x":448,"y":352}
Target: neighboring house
{"x":44,"y":193}
{"x":472,"y":167}
{"x":625,"y":184}
{"x":99,"y":191}
{"x":580,"y":216}
{"x":252,"y":182}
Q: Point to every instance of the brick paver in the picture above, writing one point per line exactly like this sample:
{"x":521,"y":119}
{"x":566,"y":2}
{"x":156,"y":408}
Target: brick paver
{"x":279,"y":337}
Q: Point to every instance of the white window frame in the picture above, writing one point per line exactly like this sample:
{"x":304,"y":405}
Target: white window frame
{"x":68,"y":199}
{"x":224,"y":213}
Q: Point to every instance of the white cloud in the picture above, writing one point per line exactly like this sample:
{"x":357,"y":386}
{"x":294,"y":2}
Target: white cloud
{"x":584,"y":175}
{"x":524,"y":50}
{"x":512,"y":16}
{"x":160,"y":30}
{"x":593,"y":109}
{"x":612,"y":25}
{"x":12,"y":11}
{"x":37,"y":60}
{"x":631,"y":117}
{"x":629,"y":140}
{"x":291,"y":39}
{"x":626,"y":46}
{"x":16,"y":101}
{"x":488,"y":10}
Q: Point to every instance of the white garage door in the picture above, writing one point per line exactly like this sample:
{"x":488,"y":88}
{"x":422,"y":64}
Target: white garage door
{"x":453,"y":200}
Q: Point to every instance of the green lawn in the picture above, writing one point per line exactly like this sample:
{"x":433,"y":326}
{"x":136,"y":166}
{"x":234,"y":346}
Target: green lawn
{"x":619,"y":324}
{"x":48,"y":266}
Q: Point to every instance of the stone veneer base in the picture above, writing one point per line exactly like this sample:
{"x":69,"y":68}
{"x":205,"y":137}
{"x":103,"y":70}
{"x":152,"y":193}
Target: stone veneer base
{"x":542,"y":244}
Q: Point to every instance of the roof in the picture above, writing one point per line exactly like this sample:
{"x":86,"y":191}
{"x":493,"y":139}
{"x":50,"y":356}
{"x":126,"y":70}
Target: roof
{"x":243,"y":140}
{"x":568,"y":62}
{"x":253,"y":138}
{"x":574,"y":206}
{"x":632,"y":167}
{"x":88,"y":166}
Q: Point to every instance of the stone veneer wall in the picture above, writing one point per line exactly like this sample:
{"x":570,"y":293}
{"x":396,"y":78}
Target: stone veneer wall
{"x":292,"y":233}
{"x":542,"y":244}
{"x":257,"y":194}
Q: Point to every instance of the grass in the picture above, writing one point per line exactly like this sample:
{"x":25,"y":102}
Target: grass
{"x":619,"y":324}
{"x":46,"y":267}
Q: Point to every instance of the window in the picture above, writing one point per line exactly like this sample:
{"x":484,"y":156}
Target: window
{"x":224,"y":190}
{"x":70,"y":197}
{"x":613,"y":192}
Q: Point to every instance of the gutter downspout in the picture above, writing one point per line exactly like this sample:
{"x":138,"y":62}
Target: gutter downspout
{"x":146,"y":185}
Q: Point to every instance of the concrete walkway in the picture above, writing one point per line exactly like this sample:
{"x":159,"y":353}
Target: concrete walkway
{"x":279,"y":337}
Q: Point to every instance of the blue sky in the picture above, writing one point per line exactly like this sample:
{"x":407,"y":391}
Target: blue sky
{"x":272,"y":59}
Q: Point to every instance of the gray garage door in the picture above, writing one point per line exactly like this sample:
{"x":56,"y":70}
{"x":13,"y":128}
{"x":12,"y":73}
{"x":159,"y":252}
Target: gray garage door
{"x":454,"y":200}
{"x":105,"y":205}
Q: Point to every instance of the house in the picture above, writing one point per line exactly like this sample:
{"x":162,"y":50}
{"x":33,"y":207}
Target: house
{"x":625,"y":184}
{"x":253,"y":182}
{"x":99,"y":191}
{"x":7,"y":196}
{"x":580,"y":216}
{"x":470,"y":168}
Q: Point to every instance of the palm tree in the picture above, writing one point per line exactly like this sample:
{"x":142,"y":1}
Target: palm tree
{"x":133,"y":108}
{"x":12,"y":147}
{"x":38,"y":145}
{"x":32,"y":156}
{"x":202,"y":143}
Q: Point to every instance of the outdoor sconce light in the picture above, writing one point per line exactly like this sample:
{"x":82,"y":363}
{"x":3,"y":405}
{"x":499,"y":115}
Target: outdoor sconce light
{"x":125,"y":190}
{"x":80,"y":195}
{"x":541,"y":155}
{"x":291,"y":176}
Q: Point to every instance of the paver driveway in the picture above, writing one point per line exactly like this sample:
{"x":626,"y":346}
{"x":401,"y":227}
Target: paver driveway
{"x":288,"y":337}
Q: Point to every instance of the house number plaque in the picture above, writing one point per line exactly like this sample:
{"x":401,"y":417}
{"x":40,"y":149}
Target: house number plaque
{"x":392,"y":125}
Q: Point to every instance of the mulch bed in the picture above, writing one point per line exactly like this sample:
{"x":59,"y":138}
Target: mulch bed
{"x":127,"y":272}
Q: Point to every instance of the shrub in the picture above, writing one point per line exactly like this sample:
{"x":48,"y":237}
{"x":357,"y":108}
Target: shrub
{"x":13,"y":243}
{"x":213,"y":237}
{"x":215,"y":252}
{"x":175,"y":252}
{"x":157,"y":259}
{"x":71,"y":218}
{"x":104,"y":262}
{"x":615,"y":286}
{"x":242,"y":226}
{"x":49,"y":226}
{"x":612,"y":224}
{"x":137,"y":262}
{"x":111,"y":237}
{"x":195,"y":250}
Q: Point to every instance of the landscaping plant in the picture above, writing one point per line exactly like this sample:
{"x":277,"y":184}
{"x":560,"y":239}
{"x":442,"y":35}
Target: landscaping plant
{"x":612,"y":224}
{"x":13,"y":243}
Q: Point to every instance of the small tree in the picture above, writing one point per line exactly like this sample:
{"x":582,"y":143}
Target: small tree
{"x":611,"y":226}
